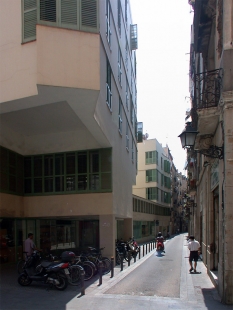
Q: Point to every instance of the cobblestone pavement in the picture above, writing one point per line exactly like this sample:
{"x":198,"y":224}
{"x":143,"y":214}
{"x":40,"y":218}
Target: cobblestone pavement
{"x":196,"y":292}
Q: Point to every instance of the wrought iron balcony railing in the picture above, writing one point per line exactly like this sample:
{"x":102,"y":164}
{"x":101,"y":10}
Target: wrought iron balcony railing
{"x":208,"y":87}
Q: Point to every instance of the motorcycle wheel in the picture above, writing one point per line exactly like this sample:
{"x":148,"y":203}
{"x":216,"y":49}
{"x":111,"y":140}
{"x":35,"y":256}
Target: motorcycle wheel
{"x":24,"y":280}
{"x":127,"y":258}
{"x":63,"y":282}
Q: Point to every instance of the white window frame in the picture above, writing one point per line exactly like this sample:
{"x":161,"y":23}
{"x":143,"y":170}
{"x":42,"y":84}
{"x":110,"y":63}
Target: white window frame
{"x":127,"y":96}
{"x":108,"y":22}
{"x":132,"y":150}
{"x":108,"y":86}
{"x":127,"y":136}
{"x":119,"y":66}
{"x":120,"y":116}
{"x":126,"y":54}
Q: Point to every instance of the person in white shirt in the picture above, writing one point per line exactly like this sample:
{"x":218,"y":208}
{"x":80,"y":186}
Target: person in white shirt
{"x":194,"y":247}
{"x":29,"y":245}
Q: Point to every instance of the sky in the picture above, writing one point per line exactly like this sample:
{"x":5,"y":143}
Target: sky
{"x":162,"y":70}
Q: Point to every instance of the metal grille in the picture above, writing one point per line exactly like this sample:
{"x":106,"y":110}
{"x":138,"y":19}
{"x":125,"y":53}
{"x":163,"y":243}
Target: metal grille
{"x":208,"y":87}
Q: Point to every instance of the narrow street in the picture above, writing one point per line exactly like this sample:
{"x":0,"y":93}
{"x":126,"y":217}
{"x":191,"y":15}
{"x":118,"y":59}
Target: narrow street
{"x":153,"y":282}
{"x":159,"y":276}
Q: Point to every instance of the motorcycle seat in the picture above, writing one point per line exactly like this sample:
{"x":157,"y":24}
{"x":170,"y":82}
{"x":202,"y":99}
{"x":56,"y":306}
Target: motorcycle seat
{"x":47,"y":264}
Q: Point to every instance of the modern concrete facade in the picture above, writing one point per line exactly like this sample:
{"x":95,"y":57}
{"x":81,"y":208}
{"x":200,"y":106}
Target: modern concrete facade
{"x":68,"y":123}
{"x":153,"y":183}
{"x":210,"y":178}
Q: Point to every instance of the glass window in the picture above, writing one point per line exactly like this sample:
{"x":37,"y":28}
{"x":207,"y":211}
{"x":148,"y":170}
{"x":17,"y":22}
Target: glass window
{"x":38,"y":185}
{"x":38,"y":167}
{"x":94,"y":182}
{"x":70,"y":163}
{"x":59,"y":164}
{"x":152,"y":193}
{"x":70,"y":183}
{"x":152,"y":157}
{"x":94,"y":162}
{"x":82,"y":162}
{"x":59,"y":184}
{"x":48,"y":165}
{"x":152,"y":175}
{"x":82,"y":182}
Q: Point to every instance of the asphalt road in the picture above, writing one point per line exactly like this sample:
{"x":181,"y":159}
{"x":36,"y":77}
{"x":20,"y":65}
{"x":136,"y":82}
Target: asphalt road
{"x":159,"y":275}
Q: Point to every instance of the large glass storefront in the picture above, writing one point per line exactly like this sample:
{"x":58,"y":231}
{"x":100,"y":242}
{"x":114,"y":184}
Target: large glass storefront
{"x":50,"y":235}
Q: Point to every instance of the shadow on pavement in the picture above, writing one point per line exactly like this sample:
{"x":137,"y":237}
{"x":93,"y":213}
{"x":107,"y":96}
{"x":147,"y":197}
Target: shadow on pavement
{"x":211,"y":296}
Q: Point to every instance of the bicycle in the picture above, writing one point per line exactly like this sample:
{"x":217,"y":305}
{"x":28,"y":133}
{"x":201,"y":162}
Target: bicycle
{"x":95,"y":256}
{"x":88,"y":266}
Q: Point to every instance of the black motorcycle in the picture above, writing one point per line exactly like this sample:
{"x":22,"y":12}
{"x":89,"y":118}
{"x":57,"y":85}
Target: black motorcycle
{"x":121,"y":250}
{"x":52,"y":273}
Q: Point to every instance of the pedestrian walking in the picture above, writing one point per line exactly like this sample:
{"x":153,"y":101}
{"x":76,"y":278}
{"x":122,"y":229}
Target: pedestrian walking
{"x":29,"y":245}
{"x":194,"y":247}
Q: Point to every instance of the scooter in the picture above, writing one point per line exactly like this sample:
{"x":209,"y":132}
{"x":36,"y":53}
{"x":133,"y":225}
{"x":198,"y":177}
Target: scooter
{"x":52,"y":273}
{"x":160,"y":246}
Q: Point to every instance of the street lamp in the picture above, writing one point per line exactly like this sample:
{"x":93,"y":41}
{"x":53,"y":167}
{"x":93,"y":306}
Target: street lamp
{"x":188,"y":137}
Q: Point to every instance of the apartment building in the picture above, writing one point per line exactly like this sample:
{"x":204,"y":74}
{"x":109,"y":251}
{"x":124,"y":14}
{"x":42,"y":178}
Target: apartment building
{"x":210,"y":154}
{"x":68,"y":115}
{"x":153,"y":185}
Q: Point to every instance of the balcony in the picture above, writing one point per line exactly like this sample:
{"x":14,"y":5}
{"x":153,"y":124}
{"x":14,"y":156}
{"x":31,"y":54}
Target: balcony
{"x":208,"y":87}
{"x":207,"y":94}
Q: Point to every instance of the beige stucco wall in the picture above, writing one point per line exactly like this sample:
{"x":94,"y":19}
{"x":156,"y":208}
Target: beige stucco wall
{"x":67,"y":58}
{"x":11,"y":205}
{"x":55,"y":205}
{"x":18,"y":65}
{"x":58,"y":57}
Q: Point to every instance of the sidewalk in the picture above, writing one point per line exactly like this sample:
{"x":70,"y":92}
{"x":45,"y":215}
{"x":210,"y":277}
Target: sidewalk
{"x":196,"y":292}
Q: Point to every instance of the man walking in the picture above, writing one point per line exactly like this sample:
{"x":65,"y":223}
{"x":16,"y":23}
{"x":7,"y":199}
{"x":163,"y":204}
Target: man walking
{"x":29,"y":245}
{"x":194,"y":247}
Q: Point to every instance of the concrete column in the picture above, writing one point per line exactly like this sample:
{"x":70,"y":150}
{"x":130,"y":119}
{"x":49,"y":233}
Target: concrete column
{"x":128,"y":228}
{"x":107,"y":233}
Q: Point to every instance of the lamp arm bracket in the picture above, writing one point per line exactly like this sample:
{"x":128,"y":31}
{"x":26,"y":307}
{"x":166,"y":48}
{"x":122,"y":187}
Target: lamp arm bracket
{"x":213,"y":151}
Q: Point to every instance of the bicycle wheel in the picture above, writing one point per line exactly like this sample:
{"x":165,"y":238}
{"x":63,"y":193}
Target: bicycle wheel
{"x":89,"y":270}
{"x":106,"y":265}
{"x":74,"y":277}
{"x":20,"y":265}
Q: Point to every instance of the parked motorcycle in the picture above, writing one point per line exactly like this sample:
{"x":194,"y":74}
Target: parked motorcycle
{"x":128,"y":249}
{"x":133,"y":247}
{"x":121,"y":249}
{"x":52,"y":273}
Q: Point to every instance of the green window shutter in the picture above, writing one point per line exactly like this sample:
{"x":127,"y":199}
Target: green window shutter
{"x":48,"y":12}
{"x":29,"y":20}
{"x":89,"y":15}
{"x":69,"y":14}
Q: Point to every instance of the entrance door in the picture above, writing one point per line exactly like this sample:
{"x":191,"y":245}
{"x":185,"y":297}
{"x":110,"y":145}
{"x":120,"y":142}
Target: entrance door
{"x":89,"y":233}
